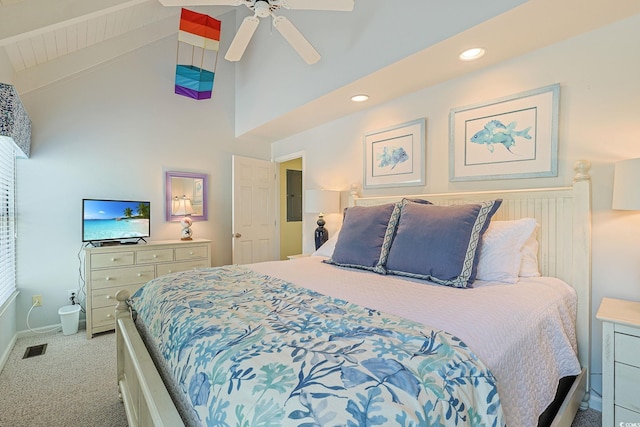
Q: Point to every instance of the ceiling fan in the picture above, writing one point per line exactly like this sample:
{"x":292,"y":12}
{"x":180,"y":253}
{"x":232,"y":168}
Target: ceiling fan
{"x":264,"y":8}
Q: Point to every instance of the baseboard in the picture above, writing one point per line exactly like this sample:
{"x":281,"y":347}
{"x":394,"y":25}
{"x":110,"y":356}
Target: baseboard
{"x":7,"y":352}
{"x":47,"y":329}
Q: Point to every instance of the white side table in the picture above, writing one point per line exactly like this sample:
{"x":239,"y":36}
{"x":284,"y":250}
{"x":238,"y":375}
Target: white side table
{"x":620,"y":361}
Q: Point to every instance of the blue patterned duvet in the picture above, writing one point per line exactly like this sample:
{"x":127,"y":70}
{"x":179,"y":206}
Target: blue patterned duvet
{"x":251,"y":350}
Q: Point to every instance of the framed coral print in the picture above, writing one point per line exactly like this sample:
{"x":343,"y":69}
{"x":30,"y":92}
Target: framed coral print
{"x":394,"y":157}
{"x":507,"y":138}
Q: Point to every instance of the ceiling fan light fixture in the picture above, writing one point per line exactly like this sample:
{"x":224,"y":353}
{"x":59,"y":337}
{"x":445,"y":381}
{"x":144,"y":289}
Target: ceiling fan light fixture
{"x":471,"y":54}
{"x":361,"y":97}
{"x":262,"y":8}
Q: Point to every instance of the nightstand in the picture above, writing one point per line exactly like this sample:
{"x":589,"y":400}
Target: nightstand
{"x":620,"y":361}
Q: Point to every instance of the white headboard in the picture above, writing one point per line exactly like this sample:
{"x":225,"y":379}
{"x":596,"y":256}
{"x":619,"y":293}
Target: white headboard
{"x":564,"y":215}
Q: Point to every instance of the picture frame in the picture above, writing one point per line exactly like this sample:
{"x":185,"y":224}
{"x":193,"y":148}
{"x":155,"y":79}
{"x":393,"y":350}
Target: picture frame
{"x":507,"y":138}
{"x":395,"y":156}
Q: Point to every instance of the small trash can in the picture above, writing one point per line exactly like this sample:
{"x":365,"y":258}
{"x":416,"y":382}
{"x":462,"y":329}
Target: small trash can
{"x":70,"y":317}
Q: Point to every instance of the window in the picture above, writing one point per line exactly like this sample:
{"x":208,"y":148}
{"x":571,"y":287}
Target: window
{"x":7,"y":220}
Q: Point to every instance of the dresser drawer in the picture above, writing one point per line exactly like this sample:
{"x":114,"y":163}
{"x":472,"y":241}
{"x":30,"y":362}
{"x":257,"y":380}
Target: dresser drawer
{"x":101,"y":317}
{"x":153,"y":256}
{"x":114,"y":259}
{"x":627,"y":349}
{"x":106,"y":297}
{"x":192,"y":252}
{"x":180,"y":266}
{"x":625,"y":392}
{"x":121,"y":277}
{"x":625,"y":417}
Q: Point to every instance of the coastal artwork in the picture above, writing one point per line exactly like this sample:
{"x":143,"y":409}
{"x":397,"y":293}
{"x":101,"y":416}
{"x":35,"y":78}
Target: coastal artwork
{"x":113,"y":219}
{"x":391,"y":157}
{"x":395,"y":156}
{"x":511,"y":137}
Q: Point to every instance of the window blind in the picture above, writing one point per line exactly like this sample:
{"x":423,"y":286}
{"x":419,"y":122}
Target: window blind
{"x":7,"y":220}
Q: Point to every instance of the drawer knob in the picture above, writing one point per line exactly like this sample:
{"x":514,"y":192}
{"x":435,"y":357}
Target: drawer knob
{"x":108,"y":296}
{"x":139,"y":274}
{"x":170,"y":271}
{"x":107,"y":278}
{"x":190,"y":252}
{"x":109,"y":316}
{"x":113,"y":259}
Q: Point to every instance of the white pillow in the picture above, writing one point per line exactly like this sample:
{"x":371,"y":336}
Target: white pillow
{"x":327,"y":247}
{"x":529,"y":262}
{"x":500,"y":254}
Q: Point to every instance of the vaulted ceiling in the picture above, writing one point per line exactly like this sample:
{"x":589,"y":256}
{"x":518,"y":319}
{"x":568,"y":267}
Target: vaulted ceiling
{"x":49,"y":40}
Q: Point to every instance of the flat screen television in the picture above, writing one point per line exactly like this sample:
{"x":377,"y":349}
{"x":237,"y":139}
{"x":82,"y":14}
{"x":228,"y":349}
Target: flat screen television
{"x":115,"y":220}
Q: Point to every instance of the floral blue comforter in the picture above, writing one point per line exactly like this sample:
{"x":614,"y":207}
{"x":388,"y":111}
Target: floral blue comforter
{"x":251,"y":350}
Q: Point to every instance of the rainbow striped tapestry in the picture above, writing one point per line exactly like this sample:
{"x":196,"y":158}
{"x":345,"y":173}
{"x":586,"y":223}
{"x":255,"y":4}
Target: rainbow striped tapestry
{"x":202,"y":33}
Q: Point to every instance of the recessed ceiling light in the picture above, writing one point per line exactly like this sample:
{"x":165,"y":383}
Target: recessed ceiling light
{"x":471,"y":54}
{"x":359,"y":98}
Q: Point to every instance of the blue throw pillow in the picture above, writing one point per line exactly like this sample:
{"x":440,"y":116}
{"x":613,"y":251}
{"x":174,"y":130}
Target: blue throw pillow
{"x":362,"y":237}
{"x":440,"y":243}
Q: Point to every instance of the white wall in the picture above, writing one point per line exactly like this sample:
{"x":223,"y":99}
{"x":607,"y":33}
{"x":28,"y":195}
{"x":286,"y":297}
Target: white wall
{"x":599,"y":112}
{"x":113,"y":132}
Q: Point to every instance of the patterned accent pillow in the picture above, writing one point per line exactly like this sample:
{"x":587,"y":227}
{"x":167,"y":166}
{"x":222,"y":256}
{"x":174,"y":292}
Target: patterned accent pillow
{"x":440,"y":243}
{"x":362,"y":236}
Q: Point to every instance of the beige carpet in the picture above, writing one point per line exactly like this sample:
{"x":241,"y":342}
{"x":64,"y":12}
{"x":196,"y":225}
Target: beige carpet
{"x":74,"y":384}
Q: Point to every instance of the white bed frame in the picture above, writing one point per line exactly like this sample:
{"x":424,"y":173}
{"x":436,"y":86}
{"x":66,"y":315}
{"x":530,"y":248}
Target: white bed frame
{"x":564,"y":215}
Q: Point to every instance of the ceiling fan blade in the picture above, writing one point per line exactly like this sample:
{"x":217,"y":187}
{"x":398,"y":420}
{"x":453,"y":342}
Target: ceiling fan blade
{"x":201,"y":2}
{"x":242,"y":38}
{"x":341,"y":5}
{"x":296,"y":40}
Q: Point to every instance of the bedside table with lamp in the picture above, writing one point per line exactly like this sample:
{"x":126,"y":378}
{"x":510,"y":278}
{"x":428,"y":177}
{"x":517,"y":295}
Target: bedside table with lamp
{"x":621,"y":324}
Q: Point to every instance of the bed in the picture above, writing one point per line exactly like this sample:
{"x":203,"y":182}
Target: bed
{"x":378,"y":325}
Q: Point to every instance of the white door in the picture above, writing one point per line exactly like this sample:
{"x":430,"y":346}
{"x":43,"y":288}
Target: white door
{"x":254,"y":211}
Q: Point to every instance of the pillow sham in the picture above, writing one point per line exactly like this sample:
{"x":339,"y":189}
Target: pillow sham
{"x":501,"y":253}
{"x":440,"y":243}
{"x":327,"y":247}
{"x":363,"y":233}
{"x":529,"y":263}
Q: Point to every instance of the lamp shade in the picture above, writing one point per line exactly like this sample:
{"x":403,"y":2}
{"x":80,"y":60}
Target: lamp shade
{"x":321,"y":201}
{"x":182,"y":207}
{"x":626,"y":185}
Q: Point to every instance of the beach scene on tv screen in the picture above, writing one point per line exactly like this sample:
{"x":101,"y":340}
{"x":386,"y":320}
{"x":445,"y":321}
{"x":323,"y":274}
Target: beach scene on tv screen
{"x":108,"y":219}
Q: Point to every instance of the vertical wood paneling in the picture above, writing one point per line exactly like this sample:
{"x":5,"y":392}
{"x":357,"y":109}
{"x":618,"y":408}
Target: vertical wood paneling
{"x":61,"y":41}
{"x":27,"y":53}
{"x":39,"y":50}
{"x":50,"y":45}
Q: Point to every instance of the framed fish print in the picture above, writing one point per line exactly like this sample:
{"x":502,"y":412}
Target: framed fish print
{"x":507,"y":138}
{"x":395,"y":156}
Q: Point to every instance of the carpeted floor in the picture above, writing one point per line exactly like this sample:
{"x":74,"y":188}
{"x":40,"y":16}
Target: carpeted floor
{"x":74,"y":384}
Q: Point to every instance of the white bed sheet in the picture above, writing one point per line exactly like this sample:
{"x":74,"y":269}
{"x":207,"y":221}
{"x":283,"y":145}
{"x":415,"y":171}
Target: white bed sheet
{"x":524,"y":332}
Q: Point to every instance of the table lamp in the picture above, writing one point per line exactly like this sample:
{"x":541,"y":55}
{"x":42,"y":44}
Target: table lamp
{"x":321,"y":202}
{"x":626,"y":181}
{"x":183,"y":207}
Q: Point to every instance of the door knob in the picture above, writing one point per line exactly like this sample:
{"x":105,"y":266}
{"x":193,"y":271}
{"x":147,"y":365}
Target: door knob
{"x":237,"y":235}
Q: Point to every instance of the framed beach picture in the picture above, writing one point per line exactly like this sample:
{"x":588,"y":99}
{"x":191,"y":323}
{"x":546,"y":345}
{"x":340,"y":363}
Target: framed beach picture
{"x":507,"y":138}
{"x":395,"y":156}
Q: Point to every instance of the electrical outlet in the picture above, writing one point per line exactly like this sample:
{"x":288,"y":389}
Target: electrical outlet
{"x":36,"y":300}
{"x":72,"y":295}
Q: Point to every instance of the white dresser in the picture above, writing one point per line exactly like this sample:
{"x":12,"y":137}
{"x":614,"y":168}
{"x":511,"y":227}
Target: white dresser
{"x":111,"y":268}
{"x":620,"y":361}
